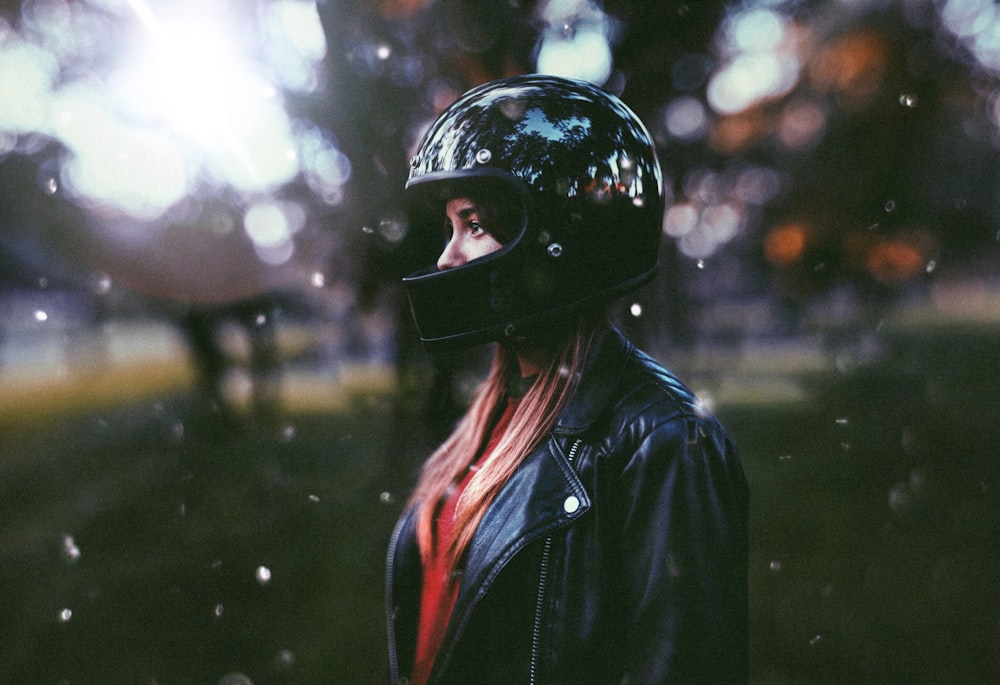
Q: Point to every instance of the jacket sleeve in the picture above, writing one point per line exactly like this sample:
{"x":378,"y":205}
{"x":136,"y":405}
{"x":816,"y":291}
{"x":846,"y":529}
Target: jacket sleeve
{"x":683,"y":554}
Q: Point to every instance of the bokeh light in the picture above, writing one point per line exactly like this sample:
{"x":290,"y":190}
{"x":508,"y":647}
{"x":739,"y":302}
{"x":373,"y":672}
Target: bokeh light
{"x":155,"y":101}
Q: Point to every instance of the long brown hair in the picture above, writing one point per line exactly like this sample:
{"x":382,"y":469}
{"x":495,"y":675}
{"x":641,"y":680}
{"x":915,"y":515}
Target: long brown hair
{"x":532,"y":419}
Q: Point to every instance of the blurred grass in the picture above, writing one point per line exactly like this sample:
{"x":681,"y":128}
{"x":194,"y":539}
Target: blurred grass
{"x":173,"y":510}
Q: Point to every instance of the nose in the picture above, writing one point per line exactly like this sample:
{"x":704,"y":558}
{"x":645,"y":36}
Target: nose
{"x":451,"y":256}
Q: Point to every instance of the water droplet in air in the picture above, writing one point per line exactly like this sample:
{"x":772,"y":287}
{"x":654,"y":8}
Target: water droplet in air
{"x":263,"y":575}
{"x":701,"y":264}
{"x":65,"y":615}
{"x":386,"y":498}
{"x":774,"y":566}
{"x":318,"y":280}
{"x":931,"y":266}
{"x":908,"y":100}
{"x":217,"y":610}
{"x":288,"y":433}
{"x":41,"y":315}
{"x":890,"y":206}
{"x":635,"y":310}
{"x":285,"y":658}
{"x":70,"y":552}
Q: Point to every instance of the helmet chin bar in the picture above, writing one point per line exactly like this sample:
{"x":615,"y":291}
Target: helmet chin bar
{"x":446,"y":321}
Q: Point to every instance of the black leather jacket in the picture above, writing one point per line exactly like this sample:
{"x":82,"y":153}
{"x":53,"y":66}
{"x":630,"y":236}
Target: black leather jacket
{"x":616,"y":554}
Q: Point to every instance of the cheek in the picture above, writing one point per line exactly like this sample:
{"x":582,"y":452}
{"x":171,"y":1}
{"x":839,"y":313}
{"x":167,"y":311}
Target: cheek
{"x":485,"y":246}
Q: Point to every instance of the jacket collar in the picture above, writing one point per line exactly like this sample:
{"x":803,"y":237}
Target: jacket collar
{"x":597,"y":383}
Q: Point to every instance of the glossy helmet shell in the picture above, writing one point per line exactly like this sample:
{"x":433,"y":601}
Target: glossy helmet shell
{"x":584,"y":172}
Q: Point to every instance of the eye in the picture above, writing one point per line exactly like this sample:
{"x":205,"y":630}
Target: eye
{"x":476,"y":228}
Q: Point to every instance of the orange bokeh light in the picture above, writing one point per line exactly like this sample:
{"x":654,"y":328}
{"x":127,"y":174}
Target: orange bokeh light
{"x":785,"y":244}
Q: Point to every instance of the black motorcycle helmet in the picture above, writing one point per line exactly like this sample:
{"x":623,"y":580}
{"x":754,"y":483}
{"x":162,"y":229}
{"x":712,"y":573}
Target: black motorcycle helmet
{"x":581,"y":172}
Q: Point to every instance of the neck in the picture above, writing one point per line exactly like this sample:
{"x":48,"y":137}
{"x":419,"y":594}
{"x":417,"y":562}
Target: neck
{"x":531,"y":362}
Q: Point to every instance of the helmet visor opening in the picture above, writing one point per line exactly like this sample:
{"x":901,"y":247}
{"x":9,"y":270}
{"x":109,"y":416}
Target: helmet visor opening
{"x":500,"y":202}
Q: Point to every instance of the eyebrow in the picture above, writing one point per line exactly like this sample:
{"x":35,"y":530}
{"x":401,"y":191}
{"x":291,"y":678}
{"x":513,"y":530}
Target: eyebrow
{"x":466,"y":212}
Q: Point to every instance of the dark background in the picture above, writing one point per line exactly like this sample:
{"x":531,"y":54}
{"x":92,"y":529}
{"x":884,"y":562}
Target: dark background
{"x":198,"y":480}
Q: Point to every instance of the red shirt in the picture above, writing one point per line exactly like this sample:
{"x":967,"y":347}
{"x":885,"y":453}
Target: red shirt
{"x":437,"y":598}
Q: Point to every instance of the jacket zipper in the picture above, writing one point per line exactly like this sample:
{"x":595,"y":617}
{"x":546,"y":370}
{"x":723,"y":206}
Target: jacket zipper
{"x":390,"y":610}
{"x":543,"y":575}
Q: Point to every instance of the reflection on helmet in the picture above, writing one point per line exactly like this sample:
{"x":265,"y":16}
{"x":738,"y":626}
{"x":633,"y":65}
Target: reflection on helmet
{"x":583,"y":170}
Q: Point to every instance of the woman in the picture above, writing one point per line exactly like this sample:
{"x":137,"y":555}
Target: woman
{"x":586,"y":520}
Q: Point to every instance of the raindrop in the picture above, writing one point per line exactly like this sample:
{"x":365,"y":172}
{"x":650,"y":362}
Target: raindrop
{"x":700,"y":264}
{"x":177,"y":429}
{"x":386,"y":498}
{"x":70,"y":552}
{"x":815,"y":640}
{"x":635,"y":310}
{"x":103,"y":284}
{"x":890,"y":206}
{"x":288,"y":433}
{"x":774,"y":566}
{"x":908,"y":100}
{"x":314,"y":498}
{"x":785,"y":457}
{"x":65,"y":615}
{"x":43,"y":282}
{"x":931,"y":266}
{"x":51,"y":185}
{"x":217,"y":610}
{"x":841,"y":422}
{"x":263,"y":575}
{"x":900,"y":498}
{"x":41,"y":315}
{"x":285,"y":658}
{"x":235,"y":679}
{"x":318,"y":280}
{"x":260,"y":320}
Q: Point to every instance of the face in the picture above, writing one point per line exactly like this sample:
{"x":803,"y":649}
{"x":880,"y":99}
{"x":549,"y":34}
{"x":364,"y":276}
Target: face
{"x":468,"y":238}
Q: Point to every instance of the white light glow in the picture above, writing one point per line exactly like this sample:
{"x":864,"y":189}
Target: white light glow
{"x":760,"y":61}
{"x":750,"y":78}
{"x":585,"y":56}
{"x":576,"y":42}
{"x":296,"y":43}
{"x":159,"y":100}
{"x":685,"y":118}
{"x":129,"y":169}
{"x":27,"y":73}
